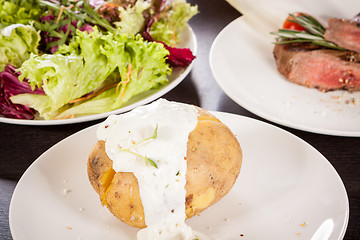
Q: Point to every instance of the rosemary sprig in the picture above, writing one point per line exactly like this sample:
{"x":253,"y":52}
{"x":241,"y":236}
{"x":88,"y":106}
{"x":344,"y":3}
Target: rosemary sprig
{"x":148,"y":160}
{"x":314,"y":33}
{"x":310,"y":24}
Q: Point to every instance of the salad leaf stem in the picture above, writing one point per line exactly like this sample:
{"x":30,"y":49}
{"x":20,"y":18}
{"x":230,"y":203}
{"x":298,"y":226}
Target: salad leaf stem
{"x":82,"y":12}
{"x":63,"y":18}
{"x":95,"y":18}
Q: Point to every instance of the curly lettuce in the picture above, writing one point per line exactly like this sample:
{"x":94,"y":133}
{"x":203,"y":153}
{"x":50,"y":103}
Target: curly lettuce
{"x":17,"y":42}
{"x":172,"y":21}
{"x":145,"y":69}
{"x":19,"y":11}
{"x":131,"y":19}
{"x":95,"y":73}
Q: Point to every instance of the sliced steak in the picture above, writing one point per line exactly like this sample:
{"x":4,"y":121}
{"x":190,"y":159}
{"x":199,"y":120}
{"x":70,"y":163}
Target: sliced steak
{"x":345,"y":33}
{"x":320,"y":68}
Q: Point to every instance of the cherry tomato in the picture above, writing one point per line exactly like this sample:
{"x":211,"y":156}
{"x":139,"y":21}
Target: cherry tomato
{"x":288,"y":24}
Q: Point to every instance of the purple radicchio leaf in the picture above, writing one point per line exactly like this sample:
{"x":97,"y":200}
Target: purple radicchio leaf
{"x":178,"y":57}
{"x":10,"y":85}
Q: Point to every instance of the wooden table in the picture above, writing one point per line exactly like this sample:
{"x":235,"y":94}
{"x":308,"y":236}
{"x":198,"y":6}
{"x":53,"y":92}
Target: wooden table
{"x":21,"y":145}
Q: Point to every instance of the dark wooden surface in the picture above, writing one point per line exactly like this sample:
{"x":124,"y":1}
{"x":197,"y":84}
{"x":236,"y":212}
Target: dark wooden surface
{"x":21,"y":145}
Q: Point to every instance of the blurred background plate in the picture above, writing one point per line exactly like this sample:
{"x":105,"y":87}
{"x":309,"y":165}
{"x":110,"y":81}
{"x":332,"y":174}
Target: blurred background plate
{"x":242,"y":62}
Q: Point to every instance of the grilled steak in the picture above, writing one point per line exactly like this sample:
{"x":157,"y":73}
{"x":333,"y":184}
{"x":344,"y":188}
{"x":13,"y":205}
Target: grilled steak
{"x":317,"y":67}
{"x":345,"y":33}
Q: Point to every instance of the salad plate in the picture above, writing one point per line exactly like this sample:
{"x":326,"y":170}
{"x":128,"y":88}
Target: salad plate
{"x":242,"y":63}
{"x":286,"y":188}
{"x":187,"y":40}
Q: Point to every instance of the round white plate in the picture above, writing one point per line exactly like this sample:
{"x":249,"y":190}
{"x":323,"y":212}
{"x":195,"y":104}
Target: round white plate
{"x":243,"y":65}
{"x":187,"y":40}
{"x":286,"y":190}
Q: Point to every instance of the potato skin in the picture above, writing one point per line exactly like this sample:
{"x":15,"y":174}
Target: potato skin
{"x":118,"y":191}
{"x":214,"y":158}
{"x":98,"y":164}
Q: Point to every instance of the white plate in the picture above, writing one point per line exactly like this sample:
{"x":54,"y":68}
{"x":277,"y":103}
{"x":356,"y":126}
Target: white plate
{"x":187,"y":40}
{"x":286,"y":190}
{"x":242,"y":63}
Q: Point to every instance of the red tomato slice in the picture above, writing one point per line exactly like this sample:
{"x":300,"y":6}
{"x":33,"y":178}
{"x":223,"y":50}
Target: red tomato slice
{"x":288,"y":24}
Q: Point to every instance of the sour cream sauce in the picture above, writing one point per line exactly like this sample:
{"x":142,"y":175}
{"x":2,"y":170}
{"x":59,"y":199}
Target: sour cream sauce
{"x":162,"y":188}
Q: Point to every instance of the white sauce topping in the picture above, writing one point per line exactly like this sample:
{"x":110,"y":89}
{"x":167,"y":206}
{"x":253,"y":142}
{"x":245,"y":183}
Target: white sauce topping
{"x":162,"y":189}
{"x":8,"y":30}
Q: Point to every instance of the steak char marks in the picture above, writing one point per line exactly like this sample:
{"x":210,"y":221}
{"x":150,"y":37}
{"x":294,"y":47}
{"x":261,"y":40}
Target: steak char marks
{"x":317,"y":67}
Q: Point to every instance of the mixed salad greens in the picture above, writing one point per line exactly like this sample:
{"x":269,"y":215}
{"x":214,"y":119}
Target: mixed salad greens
{"x":60,"y":59}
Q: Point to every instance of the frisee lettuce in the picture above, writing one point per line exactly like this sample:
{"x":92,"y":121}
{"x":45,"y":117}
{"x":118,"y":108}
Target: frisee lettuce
{"x":91,"y":64}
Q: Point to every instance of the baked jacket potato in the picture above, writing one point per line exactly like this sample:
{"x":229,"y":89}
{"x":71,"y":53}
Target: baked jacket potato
{"x":214,"y":158}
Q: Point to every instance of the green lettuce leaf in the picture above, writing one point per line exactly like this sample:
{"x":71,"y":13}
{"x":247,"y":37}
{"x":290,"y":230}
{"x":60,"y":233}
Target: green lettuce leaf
{"x":19,"y":11}
{"x":17,"y":42}
{"x":132,"y":19}
{"x":149,"y":70}
{"x":172,"y":22}
{"x":109,"y":66}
